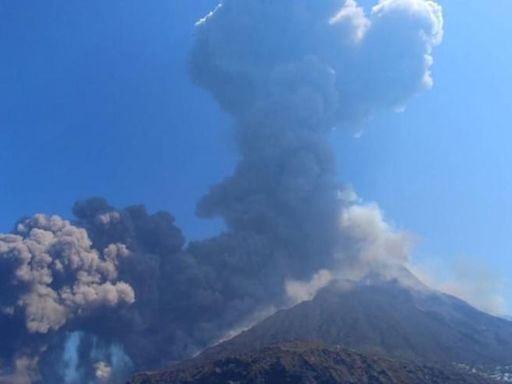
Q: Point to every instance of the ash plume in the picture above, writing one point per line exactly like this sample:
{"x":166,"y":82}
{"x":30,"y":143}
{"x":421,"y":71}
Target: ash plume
{"x":52,"y":278}
{"x":118,"y":290}
{"x":322,"y":64}
{"x":54,"y":275}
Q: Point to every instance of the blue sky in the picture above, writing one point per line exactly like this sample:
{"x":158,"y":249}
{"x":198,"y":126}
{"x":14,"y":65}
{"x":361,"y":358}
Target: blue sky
{"x":96,"y":101}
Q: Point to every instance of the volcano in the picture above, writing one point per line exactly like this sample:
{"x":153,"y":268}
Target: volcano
{"x":306,"y":363}
{"x":398,"y":317}
{"x":396,"y":329}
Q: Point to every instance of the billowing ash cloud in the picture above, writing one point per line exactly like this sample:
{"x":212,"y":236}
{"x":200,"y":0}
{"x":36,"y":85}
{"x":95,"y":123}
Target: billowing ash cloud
{"x":118,"y":290}
{"x":53,"y":274}
{"x":73,"y":314}
{"x":288,"y":72}
{"x":326,"y":57}
{"x":50,"y":276}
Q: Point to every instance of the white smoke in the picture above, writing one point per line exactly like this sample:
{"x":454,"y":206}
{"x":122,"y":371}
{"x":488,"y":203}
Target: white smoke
{"x":299,"y":291}
{"x":372,"y":240}
{"x":370,"y":245}
{"x":103,"y":371}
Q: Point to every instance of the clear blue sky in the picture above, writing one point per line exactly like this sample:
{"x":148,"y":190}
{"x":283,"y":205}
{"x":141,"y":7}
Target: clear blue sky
{"x":95,"y":100}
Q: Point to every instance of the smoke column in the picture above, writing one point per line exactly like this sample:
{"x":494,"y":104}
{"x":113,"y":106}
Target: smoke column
{"x":117,"y":290}
{"x":289,"y":72}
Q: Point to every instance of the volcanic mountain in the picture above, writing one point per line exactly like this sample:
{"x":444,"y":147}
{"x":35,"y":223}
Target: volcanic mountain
{"x":398,"y":317}
{"x":306,"y":363}
{"x":375,"y":330}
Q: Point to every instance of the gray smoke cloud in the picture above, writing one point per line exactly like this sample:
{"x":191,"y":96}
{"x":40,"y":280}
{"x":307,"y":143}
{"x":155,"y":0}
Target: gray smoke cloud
{"x":118,"y":290}
{"x":370,"y":245}
{"x":289,"y":72}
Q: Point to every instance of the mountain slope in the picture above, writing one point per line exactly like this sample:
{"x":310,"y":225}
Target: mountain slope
{"x":305,"y":363}
{"x":376,"y":330}
{"x":389,"y":318}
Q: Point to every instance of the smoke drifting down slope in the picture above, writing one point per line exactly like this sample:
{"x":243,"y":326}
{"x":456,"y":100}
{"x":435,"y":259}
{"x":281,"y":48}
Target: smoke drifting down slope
{"x":117,"y":289}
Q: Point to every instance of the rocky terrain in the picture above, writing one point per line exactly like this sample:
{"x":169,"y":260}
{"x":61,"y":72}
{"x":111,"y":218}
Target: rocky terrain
{"x":409,"y":322}
{"x":306,"y":363}
{"x":374,"y":331}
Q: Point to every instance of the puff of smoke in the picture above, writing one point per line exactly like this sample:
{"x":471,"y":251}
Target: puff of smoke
{"x":103,"y":371}
{"x":25,"y":371}
{"x":82,"y":357}
{"x":299,"y":291}
{"x":370,"y":239}
{"x":54,"y":275}
{"x":370,"y":245}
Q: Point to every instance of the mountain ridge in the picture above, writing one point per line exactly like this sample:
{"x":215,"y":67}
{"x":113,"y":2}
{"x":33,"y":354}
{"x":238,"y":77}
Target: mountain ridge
{"x":390,"y":319}
{"x":305,"y":363}
{"x":379,"y":329}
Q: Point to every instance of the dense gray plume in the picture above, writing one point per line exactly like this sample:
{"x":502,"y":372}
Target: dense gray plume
{"x":118,"y":289}
{"x":288,"y":72}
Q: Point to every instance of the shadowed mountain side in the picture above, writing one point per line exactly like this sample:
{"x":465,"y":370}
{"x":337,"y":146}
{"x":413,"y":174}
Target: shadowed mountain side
{"x":390,"y":319}
{"x":305,"y":363}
